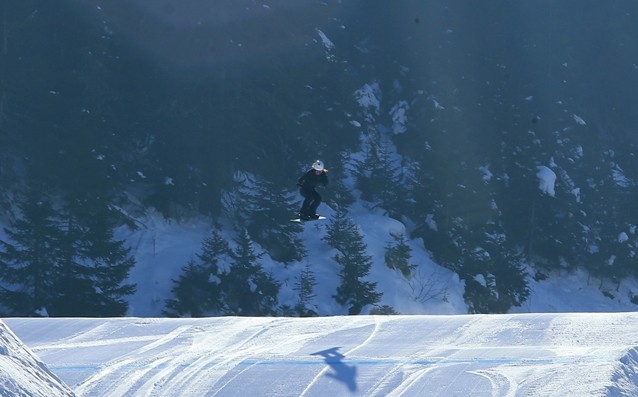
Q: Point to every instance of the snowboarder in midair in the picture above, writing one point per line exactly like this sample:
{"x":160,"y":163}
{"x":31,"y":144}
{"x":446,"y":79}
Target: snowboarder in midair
{"x":317,"y":175}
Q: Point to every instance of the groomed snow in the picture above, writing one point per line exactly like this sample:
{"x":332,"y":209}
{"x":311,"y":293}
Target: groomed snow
{"x":581,"y":354}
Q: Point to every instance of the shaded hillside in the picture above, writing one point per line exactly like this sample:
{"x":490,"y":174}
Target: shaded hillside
{"x":438,"y":113}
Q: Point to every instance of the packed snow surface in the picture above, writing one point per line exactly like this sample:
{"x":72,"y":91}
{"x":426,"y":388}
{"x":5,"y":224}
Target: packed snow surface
{"x":580,"y":354}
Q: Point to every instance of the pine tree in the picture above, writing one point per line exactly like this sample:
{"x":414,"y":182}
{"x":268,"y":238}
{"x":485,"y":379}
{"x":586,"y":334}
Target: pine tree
{"x":61,"y":267}
{"x":494,"y":274}
{"x":304,"y":286}
{"x":611,"y":213}
{"x":93,"y":266}
{"x":340,"y":193}
{"x":110,"y":263}
{"x":28,"y":260}
{"x":72,"y":280}
{"x":420,"y":195}
{"x":398,"y":254}
{"x":215,"y":253}
{"x":265,"y":210}
{"x":344,"y":236}
{"x":378,"y":177}
{"x":470,"y":240}
{"x":191,"y":291}
{"x":197,"y":291}
{"x":247,"y":289}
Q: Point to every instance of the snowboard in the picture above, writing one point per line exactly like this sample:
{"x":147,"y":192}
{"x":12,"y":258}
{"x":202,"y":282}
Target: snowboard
{"x":299,"y":220}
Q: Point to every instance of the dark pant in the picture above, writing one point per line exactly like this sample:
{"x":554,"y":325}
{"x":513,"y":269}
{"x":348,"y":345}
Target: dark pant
{"x":311,"y":202}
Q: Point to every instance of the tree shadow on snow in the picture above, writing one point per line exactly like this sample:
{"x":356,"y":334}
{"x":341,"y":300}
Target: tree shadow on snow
{"x":342,"y":372}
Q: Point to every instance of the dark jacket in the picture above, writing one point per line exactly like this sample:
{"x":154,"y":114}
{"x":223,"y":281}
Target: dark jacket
{"x":311,"y":180}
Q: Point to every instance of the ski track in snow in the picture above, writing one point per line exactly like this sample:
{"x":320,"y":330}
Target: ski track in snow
{"x":478,"y":355}
{"x":323,"y":372}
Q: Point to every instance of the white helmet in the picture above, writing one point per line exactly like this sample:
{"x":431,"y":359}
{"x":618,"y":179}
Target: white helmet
{"x":317,"y":165}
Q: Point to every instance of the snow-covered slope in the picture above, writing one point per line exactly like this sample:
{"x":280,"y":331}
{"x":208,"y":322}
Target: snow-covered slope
{"x":479,"y":355}
{"x":162,"y":247}
{"x":22,"y":373}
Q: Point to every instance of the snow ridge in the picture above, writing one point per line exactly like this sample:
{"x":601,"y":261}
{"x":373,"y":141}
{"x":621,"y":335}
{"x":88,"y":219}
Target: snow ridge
{"x":22,"y":373}
{"x":625,"y":377}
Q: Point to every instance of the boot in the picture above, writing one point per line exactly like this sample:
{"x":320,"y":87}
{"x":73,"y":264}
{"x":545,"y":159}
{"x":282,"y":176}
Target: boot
{"x":303,"y":216}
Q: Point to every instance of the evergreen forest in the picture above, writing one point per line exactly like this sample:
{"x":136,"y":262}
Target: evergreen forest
{"x":442,"y":115}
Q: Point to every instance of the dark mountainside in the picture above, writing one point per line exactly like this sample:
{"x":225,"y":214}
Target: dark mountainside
{"x":115,"y":105}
